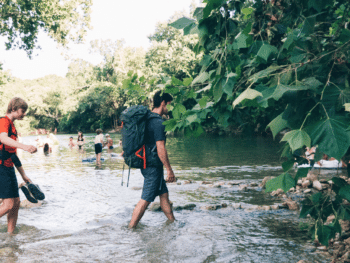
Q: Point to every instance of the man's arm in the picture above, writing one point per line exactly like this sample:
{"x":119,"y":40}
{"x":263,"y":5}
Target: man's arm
{"x":23,"y":174}
{"x":15,"y":144}
{"x":163,"y":156}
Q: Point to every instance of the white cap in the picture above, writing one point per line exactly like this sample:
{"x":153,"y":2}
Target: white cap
{"x":107,"y":134}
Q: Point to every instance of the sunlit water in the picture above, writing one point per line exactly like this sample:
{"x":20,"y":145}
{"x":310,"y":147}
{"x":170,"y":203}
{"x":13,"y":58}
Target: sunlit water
{"x":85,"y":214}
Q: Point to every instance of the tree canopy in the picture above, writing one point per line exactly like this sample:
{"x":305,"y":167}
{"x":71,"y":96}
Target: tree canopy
{"x":22,"y":20}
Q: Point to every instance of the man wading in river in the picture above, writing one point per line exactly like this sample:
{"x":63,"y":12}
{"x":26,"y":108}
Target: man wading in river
{"x":154,"y":183}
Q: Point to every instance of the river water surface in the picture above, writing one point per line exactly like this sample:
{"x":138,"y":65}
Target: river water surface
{"x":86,"y":212}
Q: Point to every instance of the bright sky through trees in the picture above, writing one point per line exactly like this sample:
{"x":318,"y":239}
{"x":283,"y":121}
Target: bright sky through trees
{"x":132,"y":21}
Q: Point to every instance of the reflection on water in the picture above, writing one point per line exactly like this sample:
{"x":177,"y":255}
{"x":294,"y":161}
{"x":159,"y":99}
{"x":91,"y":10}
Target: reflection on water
{"x":86,"y":212}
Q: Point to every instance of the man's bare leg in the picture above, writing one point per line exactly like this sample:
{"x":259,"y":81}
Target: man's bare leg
{"x":12,"y":216}
{"x":138,"y":213}
{"x":166,"y":207}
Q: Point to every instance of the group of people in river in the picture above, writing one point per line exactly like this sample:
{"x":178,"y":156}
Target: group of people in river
{"x":154,"y":183}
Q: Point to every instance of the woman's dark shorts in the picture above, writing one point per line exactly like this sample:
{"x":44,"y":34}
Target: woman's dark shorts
{"x":98,"y":148}
{"x":110,"y":147}
{"x":154,"y":183}
{"x":8,"y":183}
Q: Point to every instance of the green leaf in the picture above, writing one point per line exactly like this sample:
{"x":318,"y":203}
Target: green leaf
{"x":297,"y":139}
{"x":169,"y":124}
{"x":324,"y":234}
{"x":212,"y":4}
{"x":309,"y":25}
{"x":344,"y":36}
{"x":340,"y":182}
{"x":198,"y":13}
{"x":192,"y":118}
{"x":187,"y":81}
{"x":283,"y":181}
{"x":178,"y":111}
{"x":230,"y":84}
{"x":176,"y":82}
{"x":287,"y":165}
{"x":281,"y":89}
{"x":302,"y":172}
{"x":298,"y":55}
{"x":248,"y":94}
{"x":201,"y":78}
{"x":347,"y":106}
{"x":203,"y":102}
{"x":277,"y":124}
{"x":218,"y":89}
{"x":306,"y":210}
{"x":182,"y":23}
{"x":191,"y":29}
{"x":266,"y":51}
{"x":345,"y":192}
{"x":198,"y":130}
{"x":264,"y":73}
{"x":331,"y":136}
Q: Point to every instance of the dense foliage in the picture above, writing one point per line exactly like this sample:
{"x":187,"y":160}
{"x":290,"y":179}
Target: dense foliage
{"x":287,"y":61}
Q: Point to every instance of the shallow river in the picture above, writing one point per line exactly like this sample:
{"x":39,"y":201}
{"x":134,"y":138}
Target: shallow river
{"x":86,"y":212}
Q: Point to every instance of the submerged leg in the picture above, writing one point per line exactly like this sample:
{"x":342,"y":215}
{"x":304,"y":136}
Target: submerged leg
{"x":10,"y":206}
{"x":166,"y":206}
{"x":138,"y":213}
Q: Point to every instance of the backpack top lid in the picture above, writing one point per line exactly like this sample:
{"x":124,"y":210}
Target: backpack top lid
{"x":134,"y":114}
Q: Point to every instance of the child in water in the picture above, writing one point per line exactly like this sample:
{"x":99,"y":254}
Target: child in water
{"x":71,"y":143}
{"x":98,"y":145}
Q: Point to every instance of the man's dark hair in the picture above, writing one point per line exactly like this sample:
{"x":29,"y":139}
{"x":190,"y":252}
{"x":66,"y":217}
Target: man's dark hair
{"x":159,"y":97}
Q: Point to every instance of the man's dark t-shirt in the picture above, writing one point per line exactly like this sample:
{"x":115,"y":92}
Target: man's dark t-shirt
{"x":155,"y":131}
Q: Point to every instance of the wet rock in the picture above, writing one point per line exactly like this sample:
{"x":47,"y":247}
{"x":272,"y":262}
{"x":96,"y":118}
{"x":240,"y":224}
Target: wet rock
{"x":5,"y":252}
{"x":299,"y":182}
{"x":306,"y":184}
{"x":263,"y":183}
{"x":233,"y":183}
{"x":325,"y":186}
{"x":187,"y":182}
{"x":292,"y":205}
{"x":277,"y":192}
{"x":283,"y":206}
{"x":251,"y":208}
{"x":274,"y":207}
{"x":243,"y":187}
{"x":347,"y":241}
{"x":237,"y":206}
{"x":211,"y":207}
{"x":155,"y":207}
{"x":317,"y":185}
{"x":201,"y":188}
{"x":136,"y":188}
{"x":253,"y":184}
{"x":322,"y":248}
{"x":311,"y":176}
{"x":307,"y":191}
{"x":345,"y":225}
{"x":266,"y":207}
{"x":178,"y":183}
{"x":291,"y":190}
{"x":26,"y":204}
{"x":330,"y":219}
{"x":217,"y":185}
{"x":324,"y":181}
{"x":185,"y":207}
{"x":298,"y":187}
{"x":206,"y":182}
{"x":223,"y":205}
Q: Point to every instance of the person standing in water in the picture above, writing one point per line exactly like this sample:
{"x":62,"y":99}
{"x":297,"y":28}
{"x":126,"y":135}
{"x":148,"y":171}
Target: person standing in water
{"x":80,"y":140}
{"x":8,"y":148}
{"x":154,"y":184}
{"x":98,"y":146}
{"x":109,"y":142}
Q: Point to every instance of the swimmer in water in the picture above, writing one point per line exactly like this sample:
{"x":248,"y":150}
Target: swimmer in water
{"x":98,"y":145}
{"x":71,"y":143}
{"x":109,"y":142}
{"x":47,"y":149}
{"x":80,"y":140}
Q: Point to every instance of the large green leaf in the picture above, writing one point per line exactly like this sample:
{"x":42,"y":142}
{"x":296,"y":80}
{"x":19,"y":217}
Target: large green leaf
{"x":302,"y":172}
{"x":218,"y":89}
{"x":345,"y":192}
{"x":211,"y":4}
{"x":201,"y":78}
{"x":297,"y":139}
{"x":309,"y":25}
{"x":182,"y":22}
{"x":266,"y":51}
{"x":277,"y":124}
{"x":178,"y":110}
{"x":331,"y":136}
{"x":283,"y":181}
{"x":264,"y":73}
{"x":248,"y":94}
